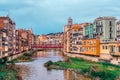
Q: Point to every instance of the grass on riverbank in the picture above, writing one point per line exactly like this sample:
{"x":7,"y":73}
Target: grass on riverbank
{"x":26,"y":57}
{"x":7,"y":70}
{"x":103,"y":71}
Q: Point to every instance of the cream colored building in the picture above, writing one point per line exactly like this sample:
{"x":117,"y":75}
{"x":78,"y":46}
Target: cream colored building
{"x":110,"y":52}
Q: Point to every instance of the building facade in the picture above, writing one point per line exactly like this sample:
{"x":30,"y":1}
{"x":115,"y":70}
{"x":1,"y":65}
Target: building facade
{"x":118,"y":30}
{"x":110,"y":52}
{"x":7,"y":37}
{"x":88,"y":31}
{"x":24,"y":40}
{"x":98,"y":41}
{"x":66,"y":36}
{"x":105,"y":28}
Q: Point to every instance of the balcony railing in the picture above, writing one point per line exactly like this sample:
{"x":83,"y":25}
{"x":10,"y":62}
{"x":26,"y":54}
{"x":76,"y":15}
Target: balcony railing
{"x":114,"y":54}
{"x":3,"y":30}
{"x":4,"y":39}
{"x":99,"y":25}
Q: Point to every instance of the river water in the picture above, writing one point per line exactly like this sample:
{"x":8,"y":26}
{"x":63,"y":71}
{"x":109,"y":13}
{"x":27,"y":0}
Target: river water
{"x":35,"y":70}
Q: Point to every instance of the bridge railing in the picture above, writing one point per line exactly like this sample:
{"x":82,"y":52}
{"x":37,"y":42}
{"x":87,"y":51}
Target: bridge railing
{"x":46,"y":45}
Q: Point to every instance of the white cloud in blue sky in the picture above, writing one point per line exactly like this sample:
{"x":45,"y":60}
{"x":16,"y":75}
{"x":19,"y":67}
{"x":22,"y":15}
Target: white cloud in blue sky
{"x":46,"y":16}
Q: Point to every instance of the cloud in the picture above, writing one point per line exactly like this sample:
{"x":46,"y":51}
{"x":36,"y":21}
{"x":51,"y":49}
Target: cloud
{"x":53,"y":14}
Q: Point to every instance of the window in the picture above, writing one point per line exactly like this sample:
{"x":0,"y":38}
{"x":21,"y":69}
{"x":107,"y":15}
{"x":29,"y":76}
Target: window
{"x":80,"y":49}
{"x":103,"y":47}
{"x":91,"y":42}
{"x":106,"y":47}
{"x":0,"y":53}
{"x":84,"y":43}
{"x":119,"y":48}
{"x":110,"y":36}
{"x":110,"y":23}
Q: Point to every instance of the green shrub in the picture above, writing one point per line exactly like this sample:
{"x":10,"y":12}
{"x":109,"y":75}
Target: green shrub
{"x":5,"y":60}
{"x":47,"y":64}
{"x":1,"y":61}
{"x":103,"y":75}
{"x":85,"y":70}
{"x":28,"y":54}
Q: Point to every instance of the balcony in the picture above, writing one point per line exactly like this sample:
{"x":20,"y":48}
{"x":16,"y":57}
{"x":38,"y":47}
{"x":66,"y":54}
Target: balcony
{"x":5,"y":52}
{"x":3,"y":30}
{"x":118,"y":35}
{"x":118,"y":30}
{"x":99,"y":25}
{"x":4,"y":39}
{"x":79,"y":43}
{"x":114,"y":54}
{"x":11,"y":54}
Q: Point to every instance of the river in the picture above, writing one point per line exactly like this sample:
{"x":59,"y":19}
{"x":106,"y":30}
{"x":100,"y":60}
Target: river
{"x":35,"y":70}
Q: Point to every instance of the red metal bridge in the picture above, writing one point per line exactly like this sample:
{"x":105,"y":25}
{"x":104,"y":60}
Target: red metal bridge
{"x":47,"y":46}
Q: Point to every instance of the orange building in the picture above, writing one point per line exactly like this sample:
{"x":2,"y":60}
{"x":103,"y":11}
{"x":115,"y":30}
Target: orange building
{"x":43,"y":39}
{"x":73,"y":33}
{"x":74,"y":41}
{"x":90,"y":47}
{"x":36,"y":39}
{"x":24,"y":40}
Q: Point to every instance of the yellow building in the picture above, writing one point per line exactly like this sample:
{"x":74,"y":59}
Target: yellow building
{"x":105,"y":51}
{"x":115,"y":52}
{"x":110,"y":51}
{"x":89,"y":47}
{"x":66,"y":38}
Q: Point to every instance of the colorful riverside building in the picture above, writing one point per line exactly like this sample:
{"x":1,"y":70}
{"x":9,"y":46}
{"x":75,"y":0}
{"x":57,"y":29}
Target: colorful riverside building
{"x":88,"y":31}
{"x":110,"y":52}
{"x":105,"y":28}
{"x":89,"y":47}
{"x":23,"y":40}
{"x":101,"y":42}
{"x":66,"y":35}
{"x":118,"y":30}
{"x":55,"y":38}
{"x":7,"y":37}
{"x":75,"y":42}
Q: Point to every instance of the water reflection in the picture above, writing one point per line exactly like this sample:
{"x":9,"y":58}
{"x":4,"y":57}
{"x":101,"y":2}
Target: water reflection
{"x":36,"y":71}
{"x":48,"y":54}
{"x":71,"y":75}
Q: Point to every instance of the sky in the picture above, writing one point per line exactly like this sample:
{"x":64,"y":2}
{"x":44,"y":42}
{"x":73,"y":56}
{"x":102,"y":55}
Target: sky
{"x":50,"y":16}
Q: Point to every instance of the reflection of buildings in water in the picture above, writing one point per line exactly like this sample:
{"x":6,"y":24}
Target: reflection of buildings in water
{"x":48,"y":53}
{"x":72,"y":75}
{"x":66,"y":74}
{"x":42,"y":54}
{"x":24,"y":71}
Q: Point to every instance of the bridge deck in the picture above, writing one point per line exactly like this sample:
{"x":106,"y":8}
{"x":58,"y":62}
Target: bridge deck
{"x":47,"y":46}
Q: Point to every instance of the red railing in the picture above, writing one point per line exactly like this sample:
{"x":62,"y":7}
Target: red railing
{"x":47,"y":46}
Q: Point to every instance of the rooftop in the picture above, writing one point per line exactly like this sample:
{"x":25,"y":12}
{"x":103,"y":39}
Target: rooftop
{"x":104,"y":18}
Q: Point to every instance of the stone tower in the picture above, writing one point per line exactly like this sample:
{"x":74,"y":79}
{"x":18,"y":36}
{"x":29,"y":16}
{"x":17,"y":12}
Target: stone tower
{"x":31,"y":29}
{"x":69,"y":21}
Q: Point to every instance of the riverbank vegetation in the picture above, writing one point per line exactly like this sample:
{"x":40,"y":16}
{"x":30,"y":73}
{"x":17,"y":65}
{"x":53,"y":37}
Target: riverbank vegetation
{"x":7,"y":70}
{"x":93,"y":70}
{"x":25,"y":57}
